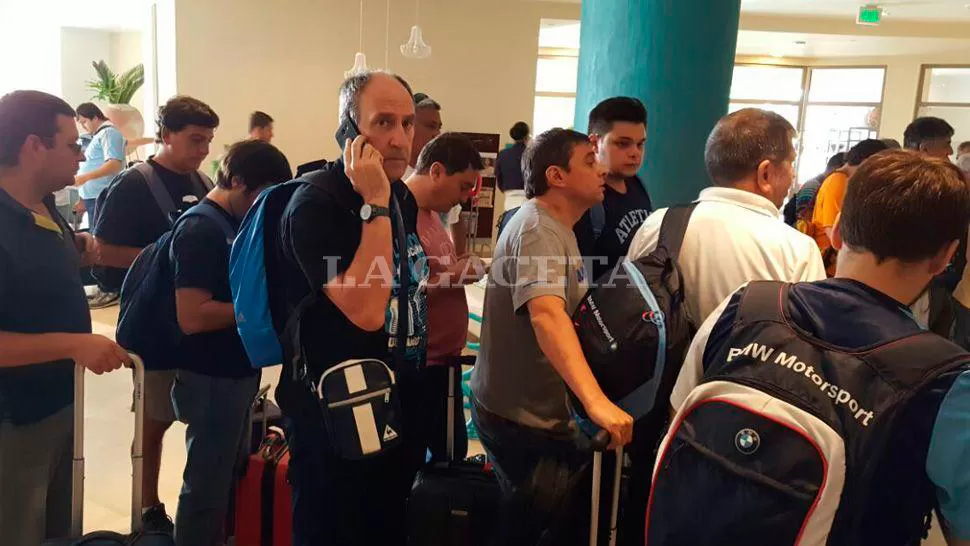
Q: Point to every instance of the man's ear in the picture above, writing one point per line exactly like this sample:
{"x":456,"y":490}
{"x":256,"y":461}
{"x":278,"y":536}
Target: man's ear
{"x":237,"y":182}
{"x":763,"y":180}
{"x":555,"y":176}
{"x":594,"y":139}
{"x":942,"y":259}
{"x":837,"y":232}
{"x":436,"y":171}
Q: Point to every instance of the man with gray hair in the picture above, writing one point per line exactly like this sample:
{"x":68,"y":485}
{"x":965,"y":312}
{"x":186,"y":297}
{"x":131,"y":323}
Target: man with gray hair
{"x":736,"y":234}
{"x":335,"y":233}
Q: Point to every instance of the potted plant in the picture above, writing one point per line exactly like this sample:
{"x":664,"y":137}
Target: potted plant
{"x":116,"y":91}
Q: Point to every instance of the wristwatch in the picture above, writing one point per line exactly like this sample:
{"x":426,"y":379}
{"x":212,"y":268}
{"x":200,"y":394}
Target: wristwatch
{"x":369,"y":212}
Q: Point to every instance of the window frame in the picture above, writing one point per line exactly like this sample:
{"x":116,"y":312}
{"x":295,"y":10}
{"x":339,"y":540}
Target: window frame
{"x":920,"y":103}
{"x":756,"y":102}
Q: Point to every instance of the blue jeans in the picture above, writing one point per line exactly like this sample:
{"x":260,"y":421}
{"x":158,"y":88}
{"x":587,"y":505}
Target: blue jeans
{"x":92,"y":207}
{"x":216,"y":410}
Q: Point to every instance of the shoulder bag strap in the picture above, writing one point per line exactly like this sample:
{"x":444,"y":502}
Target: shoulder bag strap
{"x":159,"y":192}
{"x":404,"y":296}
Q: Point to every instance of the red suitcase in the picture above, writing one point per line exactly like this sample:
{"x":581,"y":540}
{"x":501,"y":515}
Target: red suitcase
{"x":264,"y":499}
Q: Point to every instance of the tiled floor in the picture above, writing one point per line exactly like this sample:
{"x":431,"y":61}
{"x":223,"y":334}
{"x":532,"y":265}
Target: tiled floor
{"x":108,"y":430}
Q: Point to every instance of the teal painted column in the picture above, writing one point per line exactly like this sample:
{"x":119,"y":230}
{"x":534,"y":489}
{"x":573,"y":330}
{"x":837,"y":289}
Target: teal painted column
{"x":677,"y":56}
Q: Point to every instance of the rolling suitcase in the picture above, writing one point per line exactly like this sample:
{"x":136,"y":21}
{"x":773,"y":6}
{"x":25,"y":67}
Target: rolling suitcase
{"x":137,"y":537}
{"x":454,"y":503}
{"x":263,"y":503}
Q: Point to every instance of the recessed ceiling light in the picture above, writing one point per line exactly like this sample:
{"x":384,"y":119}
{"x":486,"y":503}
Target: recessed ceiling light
{"x":800,"y":42}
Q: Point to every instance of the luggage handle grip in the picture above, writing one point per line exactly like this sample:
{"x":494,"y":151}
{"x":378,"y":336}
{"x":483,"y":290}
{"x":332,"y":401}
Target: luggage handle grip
{"x":77,"y":486}
{"x":600,"y":441}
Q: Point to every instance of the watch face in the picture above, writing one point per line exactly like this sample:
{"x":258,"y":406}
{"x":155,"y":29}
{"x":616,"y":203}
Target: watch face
{"x":365,"y":212}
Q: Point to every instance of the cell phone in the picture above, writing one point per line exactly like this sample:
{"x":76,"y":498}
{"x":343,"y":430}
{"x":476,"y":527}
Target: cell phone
{"x":347,"y":130}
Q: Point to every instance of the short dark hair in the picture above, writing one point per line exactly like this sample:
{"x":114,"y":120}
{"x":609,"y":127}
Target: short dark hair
{"x":891,"y":143}
{"x":255,"y":163}
{"x":181,"y":111}
{"x":903,"y":205}
{"x":520,"y":131}
{"x":422,"y":101}
{"x":836,"y":161}
{"x":963,"y":147}
{"x":925,"y":129}
{"x":89,"y":110}
{"x":606,"y":113}
{"x":25,"y":113}
{"x":863,"y":151}
{"x":453,"y":150}
{"x":742,"y":140}
{"x":353,"y":87}
{"x":259,"y":120}
{"x":553,"y":148}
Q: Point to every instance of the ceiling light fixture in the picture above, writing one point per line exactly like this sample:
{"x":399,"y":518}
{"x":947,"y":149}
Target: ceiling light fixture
{"x":360,"y":60}
{"x":416,"y":47}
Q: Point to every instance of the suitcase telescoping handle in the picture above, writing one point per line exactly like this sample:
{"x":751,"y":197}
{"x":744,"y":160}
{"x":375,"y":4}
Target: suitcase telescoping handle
{"x":599,"y":443}
{"x":454,"y":364}
{"x":77,"y":497}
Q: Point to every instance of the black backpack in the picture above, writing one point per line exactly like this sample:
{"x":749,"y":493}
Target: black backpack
{"x":147,"y":323}
{"x":779,"y":443}
{"x":634,"y":328}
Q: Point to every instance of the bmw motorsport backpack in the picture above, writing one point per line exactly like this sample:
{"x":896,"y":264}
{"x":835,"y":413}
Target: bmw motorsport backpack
{"x":634,"y":328}
{"x":147,"y":323}
{"x":779,"y":443}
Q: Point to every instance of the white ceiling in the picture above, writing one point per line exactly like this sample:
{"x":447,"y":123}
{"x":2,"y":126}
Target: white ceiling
{"x":785,"y":44}
{"x":940,"y":10}
{"x":565,"y":34}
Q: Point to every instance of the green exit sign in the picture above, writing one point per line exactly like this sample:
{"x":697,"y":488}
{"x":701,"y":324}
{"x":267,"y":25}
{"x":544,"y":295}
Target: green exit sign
{"x":869,"y":15}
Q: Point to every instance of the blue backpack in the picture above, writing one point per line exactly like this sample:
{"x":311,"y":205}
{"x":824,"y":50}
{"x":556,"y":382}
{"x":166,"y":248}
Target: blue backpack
{"x":248,"y":273}
{"x":148,"y":324}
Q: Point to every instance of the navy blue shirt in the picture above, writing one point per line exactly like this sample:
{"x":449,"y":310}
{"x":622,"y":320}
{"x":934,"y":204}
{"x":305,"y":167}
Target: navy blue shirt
{"x":200,"y":259}
{"x":40,"y":293}
{"x":128,"y":214}
{"x":508,"y":168}
{"x":929,"y":451}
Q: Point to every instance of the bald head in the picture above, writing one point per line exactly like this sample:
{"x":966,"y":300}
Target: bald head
{"x":353,"y":87}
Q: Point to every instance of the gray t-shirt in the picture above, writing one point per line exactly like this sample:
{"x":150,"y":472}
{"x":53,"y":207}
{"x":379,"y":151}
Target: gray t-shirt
{"x":535,"y":256}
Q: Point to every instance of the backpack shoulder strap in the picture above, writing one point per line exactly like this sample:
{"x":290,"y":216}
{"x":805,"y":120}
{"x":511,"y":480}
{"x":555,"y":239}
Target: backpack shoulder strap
{"x":673,"y":228}
{"x":209,"y":211}
{"x":909,"y":363}
{"x":159,"y":192}
{"x":763,"y":301}
{"x":202,"y":180}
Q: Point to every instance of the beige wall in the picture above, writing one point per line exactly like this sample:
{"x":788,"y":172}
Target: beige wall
{"x":289,"y":59}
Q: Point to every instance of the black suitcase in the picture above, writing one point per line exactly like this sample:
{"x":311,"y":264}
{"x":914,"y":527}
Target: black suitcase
{"x":454,"y":503}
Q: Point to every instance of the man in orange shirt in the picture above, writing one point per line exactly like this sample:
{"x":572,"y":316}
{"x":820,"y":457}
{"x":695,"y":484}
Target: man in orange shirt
{"x":828,"y":203}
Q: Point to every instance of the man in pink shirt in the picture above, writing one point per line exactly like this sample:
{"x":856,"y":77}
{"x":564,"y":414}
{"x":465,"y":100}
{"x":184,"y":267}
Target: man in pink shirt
{"x":446,"y":172}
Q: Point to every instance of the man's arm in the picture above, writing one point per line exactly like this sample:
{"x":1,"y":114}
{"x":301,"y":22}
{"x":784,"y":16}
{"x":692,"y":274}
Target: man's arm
{"x":111,"y":166}
{"x":96,"y":353}
{"x":360,"y":295}
{"x":557,"y":339}
{"x":197,"y":312}
{"x":115,"y":255}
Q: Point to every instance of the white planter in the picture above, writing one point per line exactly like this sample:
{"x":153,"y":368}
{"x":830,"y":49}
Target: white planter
{"x":127,"y":119}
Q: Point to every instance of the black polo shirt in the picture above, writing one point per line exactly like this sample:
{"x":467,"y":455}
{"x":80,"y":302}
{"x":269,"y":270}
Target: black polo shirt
{"x":319,"y":233}
{"x":40,"y":293}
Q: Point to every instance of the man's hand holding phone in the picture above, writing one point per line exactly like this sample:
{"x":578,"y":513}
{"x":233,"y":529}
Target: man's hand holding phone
{"x":364,"y":166}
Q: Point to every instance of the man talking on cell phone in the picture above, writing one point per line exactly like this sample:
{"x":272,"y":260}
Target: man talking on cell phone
{"x":335,"y":236}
